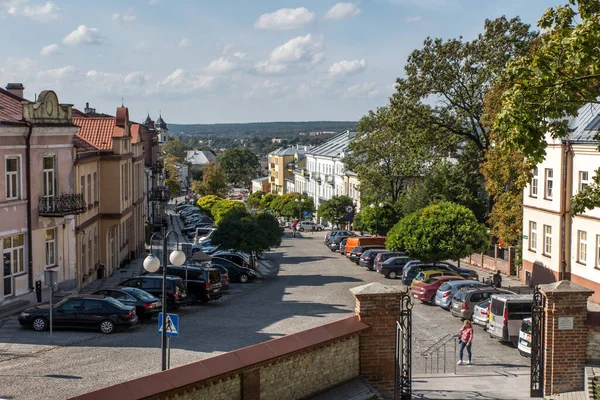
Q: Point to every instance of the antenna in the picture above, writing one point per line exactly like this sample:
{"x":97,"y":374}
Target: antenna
{"x":122,"y":104}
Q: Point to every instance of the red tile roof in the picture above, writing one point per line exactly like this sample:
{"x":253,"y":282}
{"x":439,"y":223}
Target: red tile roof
{"x":11,"y":110}
{"x":98,"y":131}
{"x":83,"y":146}
{"x":135,"y":133}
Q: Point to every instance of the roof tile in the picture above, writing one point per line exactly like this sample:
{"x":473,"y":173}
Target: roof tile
{"x":96,"y":130}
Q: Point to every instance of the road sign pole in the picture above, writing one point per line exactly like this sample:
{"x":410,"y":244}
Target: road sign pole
{"x":169,"y":353}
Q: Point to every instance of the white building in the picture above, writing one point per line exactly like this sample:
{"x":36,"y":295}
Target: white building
{"x":557,"y":245}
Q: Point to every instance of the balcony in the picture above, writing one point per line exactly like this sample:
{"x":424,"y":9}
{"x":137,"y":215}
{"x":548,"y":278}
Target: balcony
{"x":291,"y":166}
{"x":157,"y":167}
{"x":329,"y":179}
{"x":59,"y":206}
{"x":160,"y":194}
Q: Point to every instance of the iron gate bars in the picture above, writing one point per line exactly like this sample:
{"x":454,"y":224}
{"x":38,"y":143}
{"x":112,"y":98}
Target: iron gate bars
{"x":403,"y":376}
{"x":536,"y":388}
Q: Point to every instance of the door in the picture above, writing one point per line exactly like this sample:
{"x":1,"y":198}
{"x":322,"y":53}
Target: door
{"x":7,"y":274}
{"x":66,"y":314}
{"x":91,"y":314}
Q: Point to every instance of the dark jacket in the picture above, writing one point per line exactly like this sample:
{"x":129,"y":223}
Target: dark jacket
{"x":497,"y":280}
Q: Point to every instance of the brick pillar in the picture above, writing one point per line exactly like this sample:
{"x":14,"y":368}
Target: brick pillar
{"x":379,"y":307}
{"x":565,"y":336}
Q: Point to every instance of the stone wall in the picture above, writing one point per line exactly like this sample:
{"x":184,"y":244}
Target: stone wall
{"x":593,"y":344}
{"x":309,"y":373}
{"x":228,"y":389}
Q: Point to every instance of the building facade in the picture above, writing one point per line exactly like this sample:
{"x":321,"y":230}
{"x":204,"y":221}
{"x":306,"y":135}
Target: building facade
{"x":556,"y":244}
{"x":261,"y":184}
{"x":282,"y":163}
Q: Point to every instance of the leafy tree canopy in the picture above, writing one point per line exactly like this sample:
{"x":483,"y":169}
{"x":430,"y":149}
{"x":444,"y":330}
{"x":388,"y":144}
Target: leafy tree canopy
{"x":214,"y":181}
{"x":170,"y":162}
{"x":443,"y":231}
{"x":177,"y":149}
{"x":378,"y":220}
{"x":248,"y":233}
{"x":206,"y":203}
{"x":240,"y":166}
{"x":287,"y":206}
{"x":225,"y":207}
{"x":255,"y":198}
{"x":267,"y":200}
{"x":173,"y":187}
{"x":334,"y":209}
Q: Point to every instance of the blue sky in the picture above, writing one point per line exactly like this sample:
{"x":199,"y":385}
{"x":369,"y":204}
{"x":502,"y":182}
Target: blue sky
{"x":208,"y":61}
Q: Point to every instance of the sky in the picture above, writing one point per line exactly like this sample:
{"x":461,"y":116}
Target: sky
{"x":213,"y":61}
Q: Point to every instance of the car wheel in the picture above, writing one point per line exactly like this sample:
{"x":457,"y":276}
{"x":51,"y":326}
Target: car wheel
{"x":319,"y":229}
{"x":392,"y":275}
{"x":39,"y":324}
{"x":301,"y":229}
{"x":243,"y":278}
{"x":192,"y":298}
{"x":107,"y":326}
{"x":432,"y":299}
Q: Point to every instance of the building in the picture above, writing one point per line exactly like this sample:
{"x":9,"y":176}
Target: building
{"x":182,"y":175}
{"x":261,"y":184}
{"x":38,"y":203}
{"x":326,"y":171}
{"x":557,"y":245}
{"x":153,"y":168}
{"x":282,"y":163}
{"x":200,"y":158}
{"x":352,"y":188}
{"x":277,"y":140}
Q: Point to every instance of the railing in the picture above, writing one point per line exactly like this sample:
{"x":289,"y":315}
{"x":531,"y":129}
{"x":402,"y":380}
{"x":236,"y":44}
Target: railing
{"x":59,"y":206}
{"x":434,"y":350}
{"x":158,"y":195}
{"x":157,"y":167}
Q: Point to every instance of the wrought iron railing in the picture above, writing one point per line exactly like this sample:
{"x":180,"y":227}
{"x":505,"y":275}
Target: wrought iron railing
{"x":59,"y":206}
{"x":158,"y":195}
{"x":433,"y":353}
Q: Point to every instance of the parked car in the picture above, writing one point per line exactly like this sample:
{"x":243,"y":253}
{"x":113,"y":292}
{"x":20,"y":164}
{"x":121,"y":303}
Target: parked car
{"x":393,"y":267}
{"x":342,"y":248}
{"x":183,"y":206}
{"x":368,"y":257}
{"x":358,"y":251}
{"x":364,"y":241}
{"x":465,"y":299}
{"x":505,"y":314}
{"x":206,"y":247}
{"x":146,"y":305}
{"x":334,"y":233}
{"x":425,"y":291}
{"x":383,"y":257}
{"x":412,"y":270}
{"x":309,"y":226}
{"x":480,"y":313}
{"x":224,"y":274}
{"x":524,"y":344}
{"x":202,"y":283}
{"x":236,"y":272}
{"x":176,"y":295}
{"x":432,"y":273}
{"x":444,"y":295}
{"x":192,"y":228}
{"x":235,"y":257}
{"x":82,"y":311}
{"x":334,"y":243}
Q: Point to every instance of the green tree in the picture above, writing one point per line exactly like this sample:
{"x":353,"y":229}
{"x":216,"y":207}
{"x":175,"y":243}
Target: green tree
{"x":266,"y":201}
{"x":214,"y":181}
{"x":170,"y":163}
{"x":294,"y":209}
{"x":240,"y":166}
{"x":255,"y":198}
{"x":551,"y":82}
{"x":334,"y":209}
{"x":173,"y":186}
{"x":443,"y":231}
{"x":176,"y":148}
{"x":206,"y":203}
{"x":196,"y":187}
{"x":225,"y":207}
{"x":378,"y":220}
{"x":249,"y":233}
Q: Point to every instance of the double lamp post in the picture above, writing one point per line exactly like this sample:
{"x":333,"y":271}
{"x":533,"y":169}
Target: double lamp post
{"x":374,"y":207}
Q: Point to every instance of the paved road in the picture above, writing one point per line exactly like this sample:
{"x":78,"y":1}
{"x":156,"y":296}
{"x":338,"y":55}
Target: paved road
{"x":310,"y":288}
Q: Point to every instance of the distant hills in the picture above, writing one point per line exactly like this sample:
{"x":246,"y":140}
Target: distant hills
{"x":262,"y":128}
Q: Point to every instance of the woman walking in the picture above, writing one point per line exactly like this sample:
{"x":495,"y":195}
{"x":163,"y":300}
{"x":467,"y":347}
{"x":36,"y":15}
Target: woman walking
{"x":466,"y":338}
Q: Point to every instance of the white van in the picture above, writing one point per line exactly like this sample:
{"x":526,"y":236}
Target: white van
{"x":506,"y":313}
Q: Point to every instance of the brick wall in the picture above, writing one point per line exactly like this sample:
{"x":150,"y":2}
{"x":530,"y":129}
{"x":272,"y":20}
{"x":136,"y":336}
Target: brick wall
{"x":488,"y":263}
{"x":593,"y":344}
{"x":228,"y":389}
{"x":310,"y":373}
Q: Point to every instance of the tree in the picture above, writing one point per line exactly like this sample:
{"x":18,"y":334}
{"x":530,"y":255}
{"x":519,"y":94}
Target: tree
{"x":295,"y":209}
{"x":225,"y":207}
{"x":255,"y":198}
{"x":551,"y":82}
{"x":240,"y":166}
{"x":378,"y":220}
{"x":443,"y":231}
{"x":267,"y":200}
{"x":173,"y":186}
{"x":214,"y":181}
{"x":196,"y":186}
{"x":170,"y":162}
{"x":206,"y":203}
{"x":334,"y":209}
{"x":176,"y":148}
{"x":248,"y":233}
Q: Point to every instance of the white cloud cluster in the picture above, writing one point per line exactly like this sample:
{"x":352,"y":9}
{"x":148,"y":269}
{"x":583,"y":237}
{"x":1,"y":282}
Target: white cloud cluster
{"x":226,"y":64}
{"x":285,"y":19}
{"x":302,"y":51}
{"x":46,"y":12}
{"x":342,"y":10}
{"x":84,"y":35}
{"x":347,"y":68}
{"x":50,"y":49}
{"x":124,"y":18}
{"x":184,"y":43}
{"x":366,"y":89}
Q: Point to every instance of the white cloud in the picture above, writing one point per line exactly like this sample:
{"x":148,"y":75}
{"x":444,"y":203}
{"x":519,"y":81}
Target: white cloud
{"x":342,"y":10}
{"x":267,"y":89}
{"x":303,"y":51}
{"x":182,"y":81}
{"x":264,"y":67}
{"x":347,"y":68}
{"x":285,"y":19}
{"x":47,"y":12}
{"x":84,"y":35}
{"x":124,"y":18}
{"x":221,"y":65}
{"x":409,"y":20}
{"x":184,"y":43}
{"x":50,"y":49}
{"x":240,"y":54}
{"x":366,"y":89}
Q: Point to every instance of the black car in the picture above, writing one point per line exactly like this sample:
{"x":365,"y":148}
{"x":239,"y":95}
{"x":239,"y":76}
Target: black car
{"x":368,"y":258}
{"x":393,"y":267}
{"x":359,"y":250}
{"x":146,"y":305}
{"x":383,"y":257}
{"x":176,"y":294}
{"x":236,"y":273}
{"x":334,"y":233}
{"x":224,"y":274}
{"x":413,"y":269}
{"x":233,"y":257}
{"x":84,"y":312}
{"x":334,"y":243}
{"x":201,"y":283}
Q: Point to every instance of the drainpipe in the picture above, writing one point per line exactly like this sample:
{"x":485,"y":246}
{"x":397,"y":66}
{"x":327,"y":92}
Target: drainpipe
{"x":565,"y":207}
{"x":29,"y":213}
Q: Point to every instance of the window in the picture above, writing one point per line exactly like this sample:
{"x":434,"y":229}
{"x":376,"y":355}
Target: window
{"x":50,"y":247}
{"x":95,"y":186}
{"x":532,"y":236}
{"x":581,"y":247}
{"x":549,"y":183}
{"x":583,"y":180}
{"x":533,"y":189}
{"x":88,"y":199}
{"x":13,"y":260}
{"x":49,"y":179}
{"x":13,"y":178}
{"x":84,"y":264}
{"x":82,"y":188}
{"x":547,"y":240}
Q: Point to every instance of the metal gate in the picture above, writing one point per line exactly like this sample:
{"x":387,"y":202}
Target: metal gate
{"x":537,"y":344}
{"x":403,"y":376}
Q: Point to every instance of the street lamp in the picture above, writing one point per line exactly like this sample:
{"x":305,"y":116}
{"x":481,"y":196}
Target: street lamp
{"x":152,"y":264}
{"x":300,"y":212}
{"x":381,"y":205}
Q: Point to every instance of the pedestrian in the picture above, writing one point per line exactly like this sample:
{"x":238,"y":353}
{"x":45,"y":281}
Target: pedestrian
{"x":312,"y":229}
{"x":175,"y":201}
{"x":497,"y":279}
{"x":465,"y":340}
{"x":294,"y":227}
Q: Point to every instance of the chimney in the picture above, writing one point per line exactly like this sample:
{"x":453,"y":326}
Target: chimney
{"x":89,"y":110}
{"x":16,"y":89}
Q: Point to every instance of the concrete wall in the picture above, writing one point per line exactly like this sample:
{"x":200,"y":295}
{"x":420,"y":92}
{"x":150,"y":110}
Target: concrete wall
{"x":593,"y":344}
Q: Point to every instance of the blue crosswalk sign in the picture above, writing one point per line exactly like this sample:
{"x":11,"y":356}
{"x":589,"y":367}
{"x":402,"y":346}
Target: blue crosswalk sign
{"x":172,"y":324}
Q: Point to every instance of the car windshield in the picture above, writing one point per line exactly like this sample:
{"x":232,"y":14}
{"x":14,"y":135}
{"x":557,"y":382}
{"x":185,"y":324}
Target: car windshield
{"x":445,"y":287}
{"x":420,"y":276}
{"x":60,"y":303}
{"x":143,"y":295}
{"x":484,"y":304}
{"x":526,"y":326}
{"x":460,"y":295}
{"x":116,"y":303}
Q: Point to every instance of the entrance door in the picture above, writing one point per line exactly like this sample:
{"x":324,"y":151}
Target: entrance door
{"x":7,"y":274}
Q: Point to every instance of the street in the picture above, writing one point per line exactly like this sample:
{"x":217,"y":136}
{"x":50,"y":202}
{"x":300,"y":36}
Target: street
{"x":310,"y":287}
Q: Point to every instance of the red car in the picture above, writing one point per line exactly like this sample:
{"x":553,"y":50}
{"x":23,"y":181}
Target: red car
{"x":425,"y":291}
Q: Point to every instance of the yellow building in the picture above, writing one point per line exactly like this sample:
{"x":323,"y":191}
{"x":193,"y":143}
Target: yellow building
{"x":282,"y":163}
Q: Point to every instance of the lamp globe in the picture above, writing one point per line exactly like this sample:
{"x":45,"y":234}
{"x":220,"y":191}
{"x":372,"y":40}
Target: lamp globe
{"x":151,"y":263}
{"x":177,"y":258}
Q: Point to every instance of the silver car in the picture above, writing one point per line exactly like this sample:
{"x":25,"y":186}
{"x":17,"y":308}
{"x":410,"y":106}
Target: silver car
{"x":444,"y":295}
{"x":480,"y":313}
